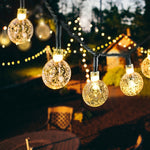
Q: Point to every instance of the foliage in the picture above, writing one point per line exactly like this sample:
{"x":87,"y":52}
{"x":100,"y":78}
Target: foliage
{"x":113,"y":76}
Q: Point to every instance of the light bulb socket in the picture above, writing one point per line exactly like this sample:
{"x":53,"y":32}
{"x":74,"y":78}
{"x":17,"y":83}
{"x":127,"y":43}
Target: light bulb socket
{"x":94,"y":75}
{"x":129,"y":69}
{"x":21,"y":13}
{"x":41,"y":21}
{"x":57,"y":55}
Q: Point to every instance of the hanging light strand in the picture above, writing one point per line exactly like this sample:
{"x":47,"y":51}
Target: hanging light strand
{"x":66,"y":28}
{"x":27,"y":59}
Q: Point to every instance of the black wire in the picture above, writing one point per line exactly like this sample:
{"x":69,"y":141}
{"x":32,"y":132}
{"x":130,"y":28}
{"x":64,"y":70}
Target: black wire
{"x":95,"y":63}
{"x":23,"y":4}
{"x":66,"y":28}
{"x":20,"y":3}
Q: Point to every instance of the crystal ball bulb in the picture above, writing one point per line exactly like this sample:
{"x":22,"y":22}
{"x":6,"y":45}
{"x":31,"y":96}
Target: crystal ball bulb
{"x":95,"y":93}
{"x":42,"y":31}
{"x":56,"y":75}
{"x":4,"y":40}
{"x":20,"y":31}
{"x":145,"y":67}
{"x":131,"y":84}
{"x":25,"y":46}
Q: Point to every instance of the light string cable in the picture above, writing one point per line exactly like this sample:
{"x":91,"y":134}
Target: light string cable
{"x":66,"y":28}
{"x":22,"y":3}
{"x":58,"y":34}
{"x":27,"y":59}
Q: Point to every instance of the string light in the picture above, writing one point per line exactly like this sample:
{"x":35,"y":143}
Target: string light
{"x":42,"y":30}
{"x":145,"y":66}
{"x":95,"y":92}
{"x":20,"y":29}
{"x":100,"y":54}
{"x":69,"y":23}
{"x":4,"y":39}
{"x":102,"y":34}
{"x":131,"y":83}
{"x":109,"y":37}
{"x":56,"y":73}
{"x":25,"y":46}
{"x":25,"y":59}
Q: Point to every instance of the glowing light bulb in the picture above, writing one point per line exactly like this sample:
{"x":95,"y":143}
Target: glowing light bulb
{"x":145,"y":66}
{"x":56,"y":73}
{"x":131,"y":83}
{"x":4,"y":39}
{"x":25,"y":46}
{"x":42,"y":31}
{"x":20,"y":29}
{"x":96,"y":30}
{"x":95,"y":92}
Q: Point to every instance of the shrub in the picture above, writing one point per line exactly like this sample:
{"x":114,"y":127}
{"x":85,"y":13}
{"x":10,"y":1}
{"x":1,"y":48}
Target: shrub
{"x":113,"y":76}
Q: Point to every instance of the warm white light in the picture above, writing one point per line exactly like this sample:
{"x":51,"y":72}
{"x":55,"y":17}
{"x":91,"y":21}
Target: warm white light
{"x":57,"y":58}
{"x":131,"y":83}
{"x":129,"y":47}
{"x":102,"y":34}
{"x":78,"y":18}
{"x":75,"y":28}
{"x":114,"y":41}
{"x":83,"y":60}
{"x":4,"y":39}
{"x":85,"y":65}
{"x":20,"y":30}
{"x":81,"y":49}
{"x":87,"y":70}
{"x":25,"y":46}
{"x":68,"y":44}
{"x":56,"y":74}
{"x":145,"y":66}
{"x":76,"y":21}
{"x":79,"y":34}
{"x":42,"y":30}
{"x":84,"y":54}
{"x":129,"y":69}
{"x":96,"y":30}
{"x":21,"y":14}
{"x":109,"y":37}
{"x":87,"y":76}
{"x":69,"y":22}
{"x":71,"y":40}
{"x":79,"y":28}
{"x":95,"y":92}
{"x":75,"y":51}
{"x":91,"y":25}
{"x":82,"y":38}
{"x":94,"y":76}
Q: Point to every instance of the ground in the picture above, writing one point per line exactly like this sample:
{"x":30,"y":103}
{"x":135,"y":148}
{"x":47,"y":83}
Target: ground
{"x":25,"y":111}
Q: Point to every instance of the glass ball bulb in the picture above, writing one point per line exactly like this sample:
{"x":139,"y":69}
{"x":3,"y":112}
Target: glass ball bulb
{"x":145,"y":66}
{"x":20,"y":29}
{"x":4,"y":39}
{"x":25,"y":46}
{"x":131,"y":83}
{"x":95,"y":92}
{"x":42,"y":31}
{"x":56,"y":74}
